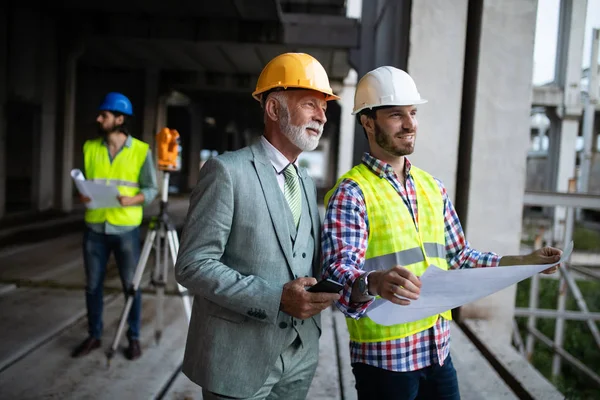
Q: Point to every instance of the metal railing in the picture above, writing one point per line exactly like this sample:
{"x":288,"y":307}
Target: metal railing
{"x":567,"y":285}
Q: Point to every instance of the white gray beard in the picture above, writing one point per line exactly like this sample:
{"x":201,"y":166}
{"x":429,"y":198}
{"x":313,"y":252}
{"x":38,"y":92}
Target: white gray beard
{"x":297,"y":133}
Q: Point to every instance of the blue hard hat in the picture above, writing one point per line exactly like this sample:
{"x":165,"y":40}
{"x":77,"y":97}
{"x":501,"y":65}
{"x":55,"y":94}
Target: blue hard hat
{"x":117,"y":102}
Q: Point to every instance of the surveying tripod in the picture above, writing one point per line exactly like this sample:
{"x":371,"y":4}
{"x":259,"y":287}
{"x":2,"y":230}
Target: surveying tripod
{"x":161,"y":235}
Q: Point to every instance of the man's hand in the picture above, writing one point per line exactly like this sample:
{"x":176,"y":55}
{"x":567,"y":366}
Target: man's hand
{"x":131,"y":201}
{"x":302,"y":304}
{"x":545,"y":255}
{"x":396,"y":280}
{"x":84,"y":199}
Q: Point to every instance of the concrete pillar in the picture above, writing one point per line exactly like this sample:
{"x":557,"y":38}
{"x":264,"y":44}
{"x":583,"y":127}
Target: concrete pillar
{"x":43,"y":185}
{"x":553,"y":150}
{"x":23,"y":61}
{"x":195,"y":144}
{"x":499,"y":141}
{"x":436,"y":63}
{"x":3,"y":90}
{"x":347,"y":125}
{"x":68,"y":137}
{"x":161,"y":113}
{"x":364,"y":60}
{"x":567,"y":156}
{"x":591,"y":101}
{"x":571,"y":31}
{"x":150,"y":130}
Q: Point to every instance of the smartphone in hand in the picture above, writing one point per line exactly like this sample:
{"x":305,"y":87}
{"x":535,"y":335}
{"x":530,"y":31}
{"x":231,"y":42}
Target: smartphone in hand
{"x":327,"y":286}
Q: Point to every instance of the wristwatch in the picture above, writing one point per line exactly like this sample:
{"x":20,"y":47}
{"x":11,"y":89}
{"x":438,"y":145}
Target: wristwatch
{"x":363,"y":284}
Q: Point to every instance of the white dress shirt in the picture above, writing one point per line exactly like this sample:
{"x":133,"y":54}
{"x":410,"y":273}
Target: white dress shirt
{"x":279,"y":161}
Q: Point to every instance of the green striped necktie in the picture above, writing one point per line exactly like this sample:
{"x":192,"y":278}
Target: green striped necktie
{"x":292,"y":192}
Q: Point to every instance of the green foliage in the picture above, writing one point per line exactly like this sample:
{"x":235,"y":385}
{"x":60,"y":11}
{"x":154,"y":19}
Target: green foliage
{"x":585,"y":239}
{"x":578,"y":341}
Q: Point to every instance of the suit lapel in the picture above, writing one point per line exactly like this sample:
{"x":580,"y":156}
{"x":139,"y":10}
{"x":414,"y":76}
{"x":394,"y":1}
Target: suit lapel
{"x":274,"y":198}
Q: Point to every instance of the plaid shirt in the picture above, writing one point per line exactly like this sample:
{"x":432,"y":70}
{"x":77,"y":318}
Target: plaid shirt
{"x":344,"y":241}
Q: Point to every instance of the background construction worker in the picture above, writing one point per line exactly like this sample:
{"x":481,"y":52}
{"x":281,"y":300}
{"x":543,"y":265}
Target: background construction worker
{"x":386,"y":221}
{"x":250,"y":246}
{"x":115,"y":158}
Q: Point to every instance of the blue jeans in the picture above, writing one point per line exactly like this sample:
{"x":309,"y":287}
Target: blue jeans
{"x":430,"y":383}
{"x":96,"y":251}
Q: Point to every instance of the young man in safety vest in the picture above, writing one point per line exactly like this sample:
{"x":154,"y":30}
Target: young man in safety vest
{"x":386,"y":221}
{"x":115,"y":158}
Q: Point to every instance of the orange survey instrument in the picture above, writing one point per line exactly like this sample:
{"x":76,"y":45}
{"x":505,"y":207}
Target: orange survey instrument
{"x":168,"y":148}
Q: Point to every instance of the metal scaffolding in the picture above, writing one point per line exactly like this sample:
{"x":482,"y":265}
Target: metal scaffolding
{"x":567,"y":285}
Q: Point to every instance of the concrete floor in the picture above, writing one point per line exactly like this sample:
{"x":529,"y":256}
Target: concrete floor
{"x":42,"y":310}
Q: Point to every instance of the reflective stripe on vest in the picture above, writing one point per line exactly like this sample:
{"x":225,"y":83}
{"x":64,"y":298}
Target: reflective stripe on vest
{"x":405,"y":257}
{"x":395,"y":240}
{"x":115,"y":182}
{"x":123,"y":172}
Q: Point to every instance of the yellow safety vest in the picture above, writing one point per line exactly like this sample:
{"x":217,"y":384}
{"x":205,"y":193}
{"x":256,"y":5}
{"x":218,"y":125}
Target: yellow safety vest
{"x":123,"y":173}
{"x":394,"y":240}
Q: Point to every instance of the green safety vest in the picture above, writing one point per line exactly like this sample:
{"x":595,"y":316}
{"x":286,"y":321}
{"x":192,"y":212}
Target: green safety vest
{"x":394,"y":240}
{"x":123,"y":172}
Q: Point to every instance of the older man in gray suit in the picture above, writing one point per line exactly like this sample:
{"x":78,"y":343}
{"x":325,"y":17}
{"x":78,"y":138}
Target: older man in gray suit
{"x":250,"y":247}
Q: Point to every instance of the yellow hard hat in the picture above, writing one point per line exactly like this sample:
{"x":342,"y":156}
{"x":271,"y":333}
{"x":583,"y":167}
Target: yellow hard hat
{"x":294,"y":70}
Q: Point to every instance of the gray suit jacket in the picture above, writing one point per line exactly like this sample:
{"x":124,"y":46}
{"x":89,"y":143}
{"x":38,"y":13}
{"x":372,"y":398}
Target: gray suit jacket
{"x":234,"y":257}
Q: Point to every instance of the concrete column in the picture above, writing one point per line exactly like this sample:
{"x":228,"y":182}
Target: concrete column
{"x":567,"y":157}
{"x":347,"y":125}
{"x":499,"y":142}
{"x":161,"y":113}
{"x":3,"y":91}
{"x":195,"y":144}
{"x":150,"y":106}
{"x":571,"y":31}
{"x":23,"y":67}
{"x":23,"y":61}
{"x":364,"y":60}
{"x":68,"y":138}
{"x":437,"y":38}
{"x":553,"y":150}
{"x":43,"y":185}
{"x":591,"y":102}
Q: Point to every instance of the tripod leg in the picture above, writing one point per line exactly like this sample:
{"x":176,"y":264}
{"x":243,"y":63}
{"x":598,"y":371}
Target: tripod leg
{"x":137,"y":277}
{"x":161,"y":285}
{"x":157,"y":279}
{"x":157,"y":269}
{"x":174,"y":247}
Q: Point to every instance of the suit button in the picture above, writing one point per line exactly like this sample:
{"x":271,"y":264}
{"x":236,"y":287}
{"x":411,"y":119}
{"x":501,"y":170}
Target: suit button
{"x":295,"y":322}
{"x":303,"y":255}
{"x":283,"y":325}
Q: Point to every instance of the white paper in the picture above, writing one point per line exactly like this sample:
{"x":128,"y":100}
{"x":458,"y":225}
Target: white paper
{"x":102,"y":196}
{"x":77,"y":175}
{"x":443,"y":290}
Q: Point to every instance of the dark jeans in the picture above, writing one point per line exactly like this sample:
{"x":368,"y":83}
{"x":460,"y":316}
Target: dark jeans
{"x":431,"y":383}
{"x":96,"y":251}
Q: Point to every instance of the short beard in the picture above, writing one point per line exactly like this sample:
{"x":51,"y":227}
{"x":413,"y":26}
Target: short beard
{"x":386,"y":143}
{"x":297,"y":133}
{"x":106,"y":132}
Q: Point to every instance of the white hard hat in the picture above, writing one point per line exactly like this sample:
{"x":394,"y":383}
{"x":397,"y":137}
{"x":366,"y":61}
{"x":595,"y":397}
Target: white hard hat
{"x":386,"y":86}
